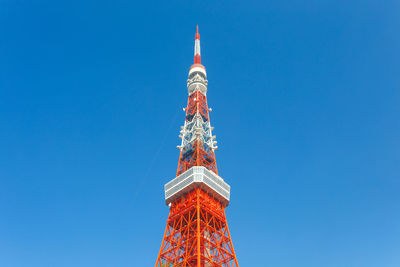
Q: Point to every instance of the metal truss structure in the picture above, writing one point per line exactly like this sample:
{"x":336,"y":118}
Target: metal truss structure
{"x":198,"y":143}
{"x":197,"y":231}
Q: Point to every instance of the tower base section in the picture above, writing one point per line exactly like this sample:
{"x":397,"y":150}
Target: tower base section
{"x":197,"y":233}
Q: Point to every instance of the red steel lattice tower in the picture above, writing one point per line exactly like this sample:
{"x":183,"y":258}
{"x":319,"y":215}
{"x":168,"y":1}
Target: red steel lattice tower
{"x":197,"y":231}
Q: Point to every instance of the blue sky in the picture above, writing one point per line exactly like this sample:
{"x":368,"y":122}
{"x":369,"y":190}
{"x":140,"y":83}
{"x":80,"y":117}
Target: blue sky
{"x":305,"y":98}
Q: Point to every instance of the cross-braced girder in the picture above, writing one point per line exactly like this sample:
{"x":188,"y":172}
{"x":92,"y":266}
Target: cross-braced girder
{"x":197,"y":234}
{"x":198,"y":143}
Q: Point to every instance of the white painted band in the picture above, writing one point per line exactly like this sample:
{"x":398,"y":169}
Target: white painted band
{"x":198,"y":69}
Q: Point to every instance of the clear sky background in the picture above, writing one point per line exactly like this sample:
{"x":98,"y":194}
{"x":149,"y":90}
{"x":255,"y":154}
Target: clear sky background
{"x":305,"y":98}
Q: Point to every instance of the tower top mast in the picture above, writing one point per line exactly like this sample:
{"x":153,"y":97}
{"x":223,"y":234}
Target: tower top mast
{"x":197,"y":66}
{"x":197,"y":55}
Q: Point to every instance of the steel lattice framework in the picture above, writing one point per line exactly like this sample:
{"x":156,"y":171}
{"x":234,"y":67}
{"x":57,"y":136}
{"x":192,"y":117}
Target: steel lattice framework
{"x":197,"y":141}
{"x":197,"y":231}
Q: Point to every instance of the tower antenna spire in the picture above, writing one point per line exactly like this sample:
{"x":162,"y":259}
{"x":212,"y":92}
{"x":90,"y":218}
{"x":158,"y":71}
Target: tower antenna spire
{"x":197,"y":54}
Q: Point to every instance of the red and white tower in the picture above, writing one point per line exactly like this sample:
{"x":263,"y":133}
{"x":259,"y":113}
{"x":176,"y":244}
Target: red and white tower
{"x":197,"y":231}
